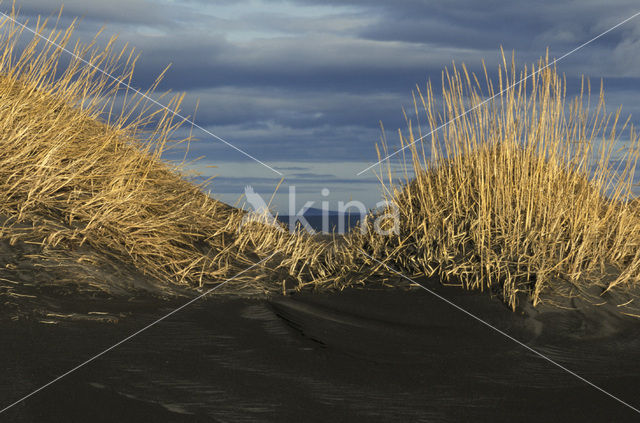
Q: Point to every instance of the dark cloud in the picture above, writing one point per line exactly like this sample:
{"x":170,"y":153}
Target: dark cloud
{"x":258,"y":108}
{"x":111,"y":12}
{"x":484,"y":25}
{"x":325,"y":143}
{"x":292,"y":168}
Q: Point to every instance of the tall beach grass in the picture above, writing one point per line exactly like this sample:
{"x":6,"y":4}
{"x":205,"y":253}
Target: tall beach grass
{"x":81,"y":163}
{"x":520,"y":195}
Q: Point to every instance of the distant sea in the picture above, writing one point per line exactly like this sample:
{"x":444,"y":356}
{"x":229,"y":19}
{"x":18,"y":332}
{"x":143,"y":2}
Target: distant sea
{"x":315,"y":221}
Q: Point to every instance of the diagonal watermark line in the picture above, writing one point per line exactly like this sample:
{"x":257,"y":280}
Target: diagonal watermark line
{"x":501,"y":92}
{"x":503,"y":333}
{"x":134,"y":334}
{"x":121,"y":82}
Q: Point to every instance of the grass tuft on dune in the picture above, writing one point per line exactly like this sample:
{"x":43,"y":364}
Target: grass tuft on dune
{"x":74,"y":172}
{"x":527,"y":193}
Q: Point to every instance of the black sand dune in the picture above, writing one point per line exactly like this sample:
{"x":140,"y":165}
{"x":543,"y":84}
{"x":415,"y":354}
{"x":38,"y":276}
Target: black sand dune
{"x":359,"y":355}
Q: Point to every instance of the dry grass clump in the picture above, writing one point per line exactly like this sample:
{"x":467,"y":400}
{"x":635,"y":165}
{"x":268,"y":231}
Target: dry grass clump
{"x":80,"y":173}
{"x":518,"y":195}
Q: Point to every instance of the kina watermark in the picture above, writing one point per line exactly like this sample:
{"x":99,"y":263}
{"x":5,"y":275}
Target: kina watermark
{"x":340,"y":217}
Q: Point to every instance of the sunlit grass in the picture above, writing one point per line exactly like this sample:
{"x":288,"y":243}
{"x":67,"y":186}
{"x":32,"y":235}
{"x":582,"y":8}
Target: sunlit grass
{"x":82,"y":169}
{"x":520,"y":195}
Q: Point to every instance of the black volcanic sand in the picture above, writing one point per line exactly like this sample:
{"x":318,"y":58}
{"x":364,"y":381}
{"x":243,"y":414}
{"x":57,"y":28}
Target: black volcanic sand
{"x":359,"y":355}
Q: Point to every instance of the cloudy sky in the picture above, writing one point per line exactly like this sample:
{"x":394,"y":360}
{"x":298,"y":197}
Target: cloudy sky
{"x":302,"y":84}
